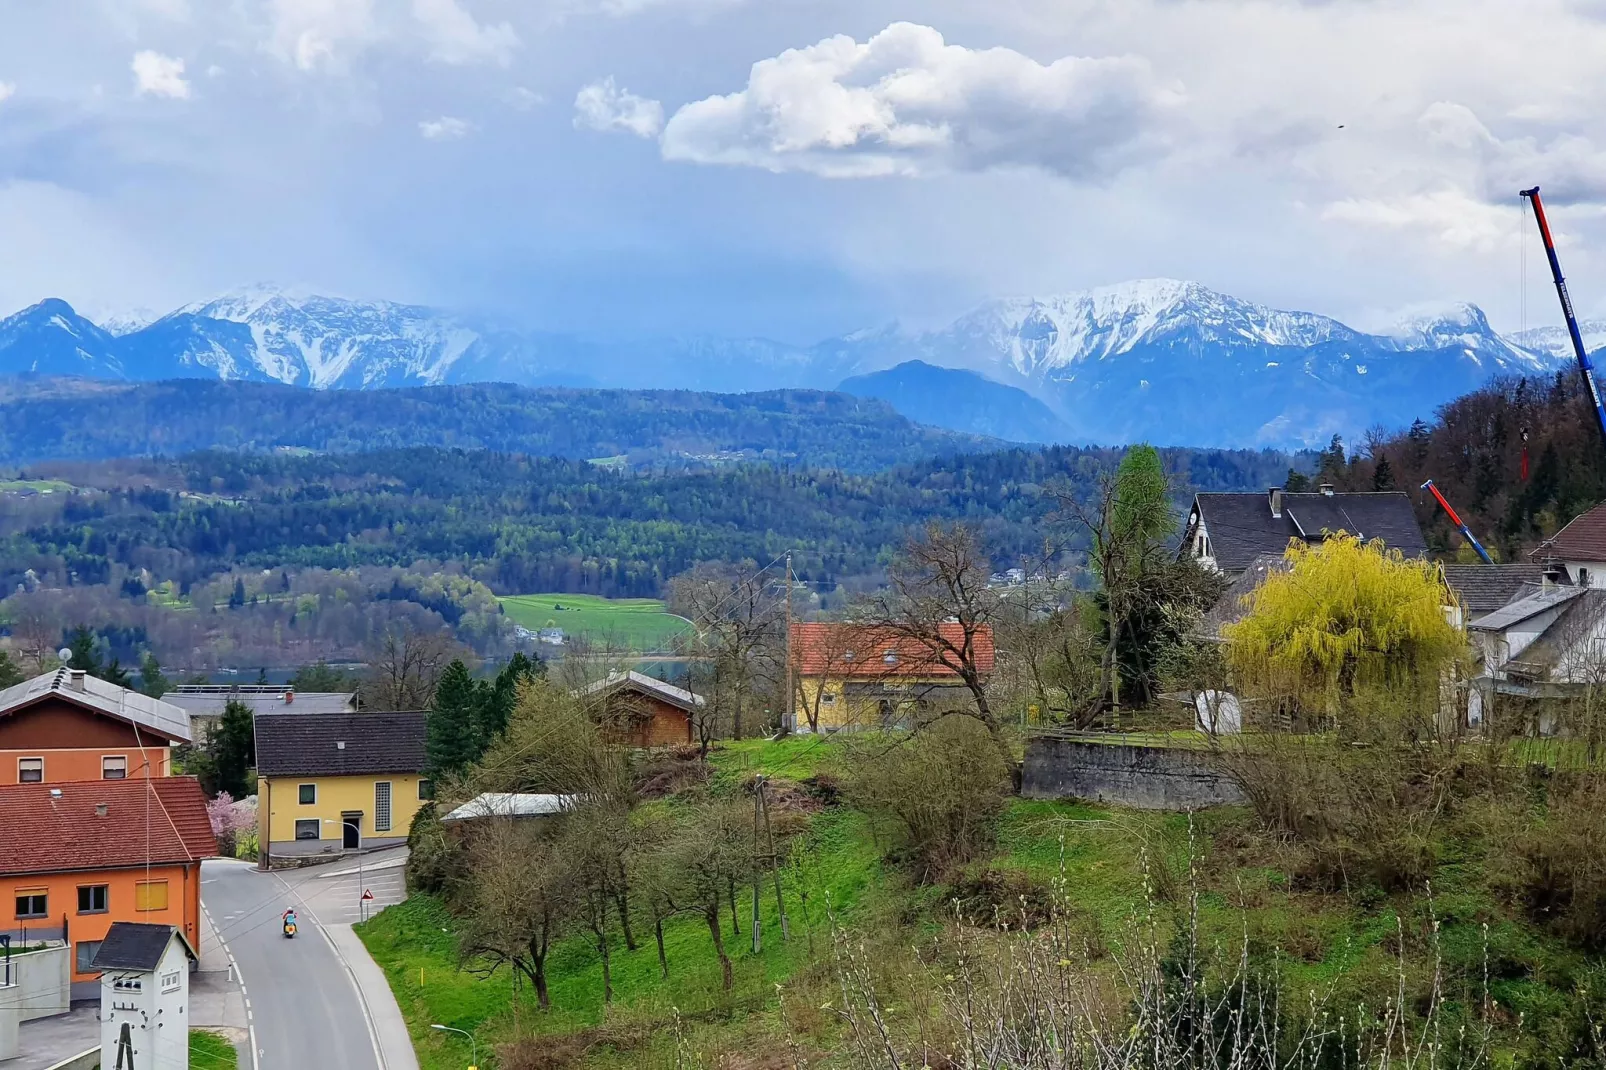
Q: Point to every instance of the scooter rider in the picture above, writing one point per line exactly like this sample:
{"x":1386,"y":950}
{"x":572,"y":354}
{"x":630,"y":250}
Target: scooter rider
{"x":289,"y":921}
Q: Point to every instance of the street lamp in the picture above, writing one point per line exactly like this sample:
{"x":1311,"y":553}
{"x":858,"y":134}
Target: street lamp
{"x":362,"y":904}
{"x":473,"y":1045}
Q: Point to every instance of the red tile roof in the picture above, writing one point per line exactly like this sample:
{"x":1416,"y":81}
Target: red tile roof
{"x":57,"y":828}
{"x":826,"y":648}
{"x":1583,"y":539}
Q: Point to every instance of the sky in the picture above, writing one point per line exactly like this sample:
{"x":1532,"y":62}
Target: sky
{"x":796,"y":169}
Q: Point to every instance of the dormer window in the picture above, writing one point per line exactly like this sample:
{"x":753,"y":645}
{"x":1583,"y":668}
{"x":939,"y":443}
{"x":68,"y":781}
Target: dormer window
{"x":890,"y":658}
{"x":848,"y":656}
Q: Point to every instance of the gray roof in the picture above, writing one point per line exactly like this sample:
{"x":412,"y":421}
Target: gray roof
{"x":1578,"y":618}
{"x":1530,"y":603}
{"x":1233,"y":605}
{"x":1482,"y":589}
{"x":340,"y":744}
{"x":137,"y":945}
{"x":510,"y":804}
{"x":1242,"y":526}
{"x":209,"y":700}
{"x":635,"y":681}
{"x":92,"y":693}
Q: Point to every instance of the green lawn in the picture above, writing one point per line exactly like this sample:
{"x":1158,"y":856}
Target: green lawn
{"x":210,"y":1051}
{"x":642,"y":624}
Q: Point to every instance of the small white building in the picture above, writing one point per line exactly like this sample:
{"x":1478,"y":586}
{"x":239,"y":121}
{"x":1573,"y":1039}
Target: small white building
{"x":144,"y":997}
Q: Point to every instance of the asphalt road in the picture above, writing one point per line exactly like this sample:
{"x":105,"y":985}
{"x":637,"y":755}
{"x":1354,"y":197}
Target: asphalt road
{"x":304,"y":1005}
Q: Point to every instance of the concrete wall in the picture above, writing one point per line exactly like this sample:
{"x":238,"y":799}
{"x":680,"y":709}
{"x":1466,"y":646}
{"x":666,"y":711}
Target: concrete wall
{"x":40,"y":983}
{"x":89,"y":1060}
{"x":1148,"y":778}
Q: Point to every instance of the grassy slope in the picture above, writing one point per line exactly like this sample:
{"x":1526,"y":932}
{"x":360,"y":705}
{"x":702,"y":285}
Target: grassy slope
{"x":642,"y":623}
{"x":1105,"y":858}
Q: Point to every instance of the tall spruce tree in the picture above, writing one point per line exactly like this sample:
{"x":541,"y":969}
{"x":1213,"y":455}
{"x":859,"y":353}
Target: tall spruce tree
{"x":452,"y":737}
{"x":232,"y":746}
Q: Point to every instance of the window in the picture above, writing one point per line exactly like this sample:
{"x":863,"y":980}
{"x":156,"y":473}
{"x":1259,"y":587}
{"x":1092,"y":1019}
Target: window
{"x":114,"y":767}
{"x":91,"y":899}
{"x":307,"y":829}
{"x":33,"y":903}
{"x":307,"y":795}
{"x":1583,"y":577}
{"x":86,"y":955}
{"x":426,"y":789}
{"x":829,"y":698}
{"x":30,"y":770}
{"x":382,"y":806}
{"x":890,"y":658}
{"x":150,"y":895}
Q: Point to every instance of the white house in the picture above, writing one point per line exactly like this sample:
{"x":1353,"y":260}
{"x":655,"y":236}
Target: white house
{"x":144,"y":997}
{"x":1579,"y":548}
{"x":1549,"y":642}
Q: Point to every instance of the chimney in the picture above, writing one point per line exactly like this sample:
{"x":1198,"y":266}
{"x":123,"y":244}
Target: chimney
{"x":101,"y":809}
{"x":75,"y":679}
{"x":1553,"y":575}
{"x":1326,"y":489}
{"x":289,"y":695}
{"x":1274,"y":496}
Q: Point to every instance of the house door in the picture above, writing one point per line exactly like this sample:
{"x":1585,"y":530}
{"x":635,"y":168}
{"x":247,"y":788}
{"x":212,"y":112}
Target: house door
{"x":351,"y":830}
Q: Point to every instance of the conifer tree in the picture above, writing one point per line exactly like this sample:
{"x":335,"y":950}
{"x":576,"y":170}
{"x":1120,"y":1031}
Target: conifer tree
{"x":452,"y":736}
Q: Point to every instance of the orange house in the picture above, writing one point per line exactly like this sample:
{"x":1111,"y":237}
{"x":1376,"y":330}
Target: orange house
{"x":77,"y":856}
{"x":67,"y":725}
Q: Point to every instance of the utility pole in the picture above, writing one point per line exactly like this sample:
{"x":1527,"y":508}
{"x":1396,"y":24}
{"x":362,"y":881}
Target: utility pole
{"x":791,"y":698}
{"x":758,"y":804}
{"x":775,"y":861}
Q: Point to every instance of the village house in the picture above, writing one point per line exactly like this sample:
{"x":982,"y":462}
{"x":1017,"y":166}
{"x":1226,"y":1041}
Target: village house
{"x":638,"y":710}
{"x":852,"y":676}
{"x":204,"y":703}
{"x":1227,"y":532}
{"x":1578,"y":549}
{"x":67,"y":725}
{"x":336,"y":782}
{"x":76,"y":857}
{"x":1548,"y":643}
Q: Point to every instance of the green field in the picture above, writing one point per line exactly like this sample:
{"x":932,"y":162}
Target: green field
{"x":38,"y":486}
{"x":639,"y":623}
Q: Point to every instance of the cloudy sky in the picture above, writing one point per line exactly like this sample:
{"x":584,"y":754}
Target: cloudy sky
{"x":797,"y":168}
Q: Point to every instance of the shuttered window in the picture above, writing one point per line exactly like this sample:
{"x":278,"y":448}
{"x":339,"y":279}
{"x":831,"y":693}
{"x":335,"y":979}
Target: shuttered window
{"x":382,"y":806}
{"x":150,"y":895}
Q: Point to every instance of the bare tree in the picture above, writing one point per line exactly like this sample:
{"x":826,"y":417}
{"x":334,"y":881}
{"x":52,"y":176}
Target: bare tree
{"x":738,"y":614}
{"x":824,"y":658}
{"x":937,"y":597}
{"x":404,"y":667}
{"x":517,"y":899}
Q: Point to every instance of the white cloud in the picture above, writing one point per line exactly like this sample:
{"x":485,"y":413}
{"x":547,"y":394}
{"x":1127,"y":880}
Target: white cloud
{"x":7,"y":90}
{"x":905,"y":102}
{"x":446,"y":128}
{"x":523,"y":99}
{"x":314,"y":33}
{"x":1450,"y":216}
{"x":159,"y":75}
{"x":456,"y":38}
{"x":604,"y":106}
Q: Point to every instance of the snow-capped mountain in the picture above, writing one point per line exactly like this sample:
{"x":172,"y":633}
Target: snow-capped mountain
{"x":1176,"y":362}
{"x":1553,"y":341}
{"x":1158,"y":359}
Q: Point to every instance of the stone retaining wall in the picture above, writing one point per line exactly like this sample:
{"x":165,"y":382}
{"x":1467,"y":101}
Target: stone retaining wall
{"x":1147,"y":778}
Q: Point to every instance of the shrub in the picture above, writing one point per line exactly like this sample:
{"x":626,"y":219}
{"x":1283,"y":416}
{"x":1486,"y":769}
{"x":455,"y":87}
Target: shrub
{"x":941,"y":791}
{"x":1555,"y":862}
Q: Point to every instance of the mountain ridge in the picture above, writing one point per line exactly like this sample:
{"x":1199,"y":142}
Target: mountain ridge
{"x":1163,"y":360}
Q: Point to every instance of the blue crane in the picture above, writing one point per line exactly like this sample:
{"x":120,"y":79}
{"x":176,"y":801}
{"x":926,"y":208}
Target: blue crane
{"x":1586,"y":367}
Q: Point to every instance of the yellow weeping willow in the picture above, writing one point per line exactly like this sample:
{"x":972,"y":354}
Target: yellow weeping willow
{"x":1344,"y":616}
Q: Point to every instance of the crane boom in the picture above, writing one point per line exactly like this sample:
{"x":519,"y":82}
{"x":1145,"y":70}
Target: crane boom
{"x":1466,"y":532}
{"x":1586,"y":367}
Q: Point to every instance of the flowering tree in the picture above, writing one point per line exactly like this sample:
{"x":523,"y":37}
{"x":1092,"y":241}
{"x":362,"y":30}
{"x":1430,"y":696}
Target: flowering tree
{"x":230,"y":817}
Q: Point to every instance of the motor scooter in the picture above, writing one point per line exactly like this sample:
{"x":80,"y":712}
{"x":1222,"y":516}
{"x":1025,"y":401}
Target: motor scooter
{"x":289,"y":926}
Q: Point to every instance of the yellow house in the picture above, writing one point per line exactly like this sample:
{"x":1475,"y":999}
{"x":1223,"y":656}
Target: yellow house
{"x":329,"y":783}
{"x":852,"y":676}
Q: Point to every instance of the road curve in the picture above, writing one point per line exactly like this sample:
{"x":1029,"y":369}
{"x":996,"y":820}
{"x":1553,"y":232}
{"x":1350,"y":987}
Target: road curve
{"x":304,"y":1005}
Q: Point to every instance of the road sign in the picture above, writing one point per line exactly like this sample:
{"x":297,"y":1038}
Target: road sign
{"x":366,"y":894}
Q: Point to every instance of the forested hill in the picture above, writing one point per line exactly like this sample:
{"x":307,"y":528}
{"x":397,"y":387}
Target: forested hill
{"x":43,"y":419}
{"x":1473,"y":451}
{"x":528,"y":524}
